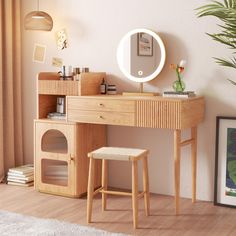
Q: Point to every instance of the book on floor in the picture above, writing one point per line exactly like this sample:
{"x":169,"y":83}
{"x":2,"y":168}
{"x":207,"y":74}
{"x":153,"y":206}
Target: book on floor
{"x":21,"y":184}
{"x":20,"y":179}
{"x":25,"y":169}
{"x":16,"y":175}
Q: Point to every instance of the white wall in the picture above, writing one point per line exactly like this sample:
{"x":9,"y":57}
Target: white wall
{"x":95,"y":28}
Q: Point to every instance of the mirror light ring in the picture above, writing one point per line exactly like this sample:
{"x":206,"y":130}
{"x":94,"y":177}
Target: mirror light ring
{"x":162,"y":61}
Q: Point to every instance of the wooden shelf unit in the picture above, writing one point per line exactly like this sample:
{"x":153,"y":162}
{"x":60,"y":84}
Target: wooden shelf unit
{"x":61,"y":147}
{"x":49,"y":87}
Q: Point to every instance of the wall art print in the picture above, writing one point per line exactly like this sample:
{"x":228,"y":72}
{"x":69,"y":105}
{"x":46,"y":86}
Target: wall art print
{"x":145,"y":44}
{"x":225,"y":162}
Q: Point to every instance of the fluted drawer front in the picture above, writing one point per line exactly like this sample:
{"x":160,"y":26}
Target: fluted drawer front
{"x":58,"y":87}
{"x":101,"y":117}
{"x":159,"y":114}
{"x":96,"y":104}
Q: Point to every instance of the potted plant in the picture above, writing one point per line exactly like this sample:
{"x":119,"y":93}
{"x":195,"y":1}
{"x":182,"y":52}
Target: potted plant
{"x":225,"y":11}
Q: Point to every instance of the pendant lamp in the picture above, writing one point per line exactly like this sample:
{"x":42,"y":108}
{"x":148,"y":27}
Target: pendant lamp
{"x":38,"y":20}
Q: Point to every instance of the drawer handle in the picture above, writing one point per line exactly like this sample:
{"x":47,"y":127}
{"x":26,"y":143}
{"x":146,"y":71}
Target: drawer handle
{"x":100,"y":117}
{"x":101,"y":104}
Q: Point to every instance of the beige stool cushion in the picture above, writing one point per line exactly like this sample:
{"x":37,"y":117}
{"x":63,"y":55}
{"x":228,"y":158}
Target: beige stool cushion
{"x":117,"y":153}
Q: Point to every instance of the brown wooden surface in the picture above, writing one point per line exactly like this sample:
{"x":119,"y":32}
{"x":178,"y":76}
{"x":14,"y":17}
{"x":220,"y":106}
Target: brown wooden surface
{"x":153,"y":112}
{"x":199,"y":219}
{"x":49,"y":87}
{"x":90,"y":190}
{"x":177,"y":154}
{"x":104,"y":183}
{"x":101,"y":117}
{"x":146,"y":186}
{"x":46,"y":104}
{"x":90,"y":83}
{"x":48,"y":76}
{"x":135,"y":193}
{"x":58,"y":87}
{"x":81,"y":139}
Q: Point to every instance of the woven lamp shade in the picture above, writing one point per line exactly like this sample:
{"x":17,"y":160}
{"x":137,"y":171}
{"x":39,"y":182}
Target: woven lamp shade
{"x":38,"y":20}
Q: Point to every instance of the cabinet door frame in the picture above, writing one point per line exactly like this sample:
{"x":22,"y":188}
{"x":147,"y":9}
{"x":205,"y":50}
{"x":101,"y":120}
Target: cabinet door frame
{"x":68,"y":130}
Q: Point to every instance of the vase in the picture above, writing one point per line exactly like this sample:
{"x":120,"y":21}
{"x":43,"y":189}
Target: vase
{"x":179,"y":86}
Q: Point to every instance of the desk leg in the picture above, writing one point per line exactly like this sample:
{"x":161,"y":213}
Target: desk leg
{"x":194,"y":162}
{"x":177,"y":151}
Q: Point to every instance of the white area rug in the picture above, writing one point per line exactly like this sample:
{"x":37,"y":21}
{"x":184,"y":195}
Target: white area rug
{"x":12,"y":224}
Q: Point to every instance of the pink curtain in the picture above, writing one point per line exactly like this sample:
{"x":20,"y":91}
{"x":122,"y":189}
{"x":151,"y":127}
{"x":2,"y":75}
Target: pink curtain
{"x":11,"y":144}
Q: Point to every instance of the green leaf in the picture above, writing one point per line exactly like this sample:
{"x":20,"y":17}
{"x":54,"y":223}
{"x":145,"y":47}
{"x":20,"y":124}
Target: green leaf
{"x":228,"y":63}
{"x":226,"y":12}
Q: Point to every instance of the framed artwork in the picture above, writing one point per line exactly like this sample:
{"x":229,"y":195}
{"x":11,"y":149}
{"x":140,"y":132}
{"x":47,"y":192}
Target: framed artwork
{"x":39,"y":53}
{"x":145,"y":44}
{"x":61,"y":38}
{"x":225,"y":162}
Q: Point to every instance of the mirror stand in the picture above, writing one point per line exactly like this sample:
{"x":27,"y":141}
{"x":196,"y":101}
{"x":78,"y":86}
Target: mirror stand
{"x":141,"y":87}
{"x":141,"y":93}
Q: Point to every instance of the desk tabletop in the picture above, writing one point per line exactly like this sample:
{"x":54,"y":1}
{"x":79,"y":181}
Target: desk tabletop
{"x":154,"y":98}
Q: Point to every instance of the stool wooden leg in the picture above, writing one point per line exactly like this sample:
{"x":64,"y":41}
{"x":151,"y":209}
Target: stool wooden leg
{"x":135,"y":193}
{"x":104,"y":183}
{"x":146,"y":186}
{"x":90,"y":190}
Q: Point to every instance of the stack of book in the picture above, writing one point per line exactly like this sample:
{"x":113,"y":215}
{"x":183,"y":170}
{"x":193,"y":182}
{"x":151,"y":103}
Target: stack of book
{"x":173,"y":94}
{"x":21,"y":176}
{"x":56,"y":116}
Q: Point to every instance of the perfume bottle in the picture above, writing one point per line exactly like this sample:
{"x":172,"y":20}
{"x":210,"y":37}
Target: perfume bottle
{"x":103,"y":87}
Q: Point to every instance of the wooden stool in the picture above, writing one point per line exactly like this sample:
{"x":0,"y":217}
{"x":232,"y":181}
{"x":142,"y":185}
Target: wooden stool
{"x":121,"y":154}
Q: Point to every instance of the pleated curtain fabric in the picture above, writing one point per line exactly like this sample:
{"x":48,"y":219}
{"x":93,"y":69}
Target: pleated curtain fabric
{"x":11,"y":143}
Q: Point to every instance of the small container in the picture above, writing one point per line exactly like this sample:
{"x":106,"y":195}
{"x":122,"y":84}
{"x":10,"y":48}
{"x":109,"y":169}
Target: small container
{"x":85,"y":70}
{"x":61,"y":105}
{"x":111,"y":89}
{"x":77,"y":75}
{"x":66,"y":73}
{"x":103,"y":87}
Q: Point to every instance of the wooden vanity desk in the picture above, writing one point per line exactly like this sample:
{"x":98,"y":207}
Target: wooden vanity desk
{"x":151,"y":112}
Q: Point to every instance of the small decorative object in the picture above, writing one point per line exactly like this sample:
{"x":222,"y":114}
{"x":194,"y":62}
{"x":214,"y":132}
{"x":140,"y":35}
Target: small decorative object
{"x":179,"y":85}
{"x":39,"y":53}
{"x":61,"y":105}
{"x":66,"y":73}
{"x":61,"y":38}
{"x":76,"y":74}
{"x":145,"y":44}
{"x":85,"y":69}
{"x":111,"y":89}
{"x":103,"y":87}
{"x":225,"y":162}
{"x":57,"y":62}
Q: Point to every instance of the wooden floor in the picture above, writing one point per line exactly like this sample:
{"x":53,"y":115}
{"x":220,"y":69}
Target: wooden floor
{"x":201,"y":218}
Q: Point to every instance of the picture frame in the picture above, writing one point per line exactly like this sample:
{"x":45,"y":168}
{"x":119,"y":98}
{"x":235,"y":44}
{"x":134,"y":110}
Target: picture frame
{"x":39,"y":53}
{"x":144,"y":44}
{"x":225,"y":162}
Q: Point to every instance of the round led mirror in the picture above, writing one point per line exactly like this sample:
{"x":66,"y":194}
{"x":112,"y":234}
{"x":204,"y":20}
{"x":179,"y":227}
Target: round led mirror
{"x":141,"y":55}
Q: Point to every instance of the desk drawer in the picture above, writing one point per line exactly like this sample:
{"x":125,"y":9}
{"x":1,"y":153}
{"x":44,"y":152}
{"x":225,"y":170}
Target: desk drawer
{"x":98,"y":104}
{"x":101,"y":117}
